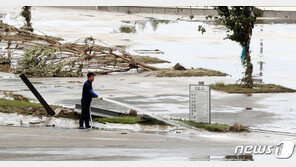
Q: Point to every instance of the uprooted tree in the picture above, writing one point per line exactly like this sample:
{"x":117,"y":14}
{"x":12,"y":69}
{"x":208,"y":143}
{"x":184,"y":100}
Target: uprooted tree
{"x":50,"y":56}
{"x":47,"y":56}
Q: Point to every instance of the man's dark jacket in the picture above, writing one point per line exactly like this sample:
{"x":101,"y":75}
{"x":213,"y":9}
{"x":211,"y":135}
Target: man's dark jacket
{"x":86,"y":93}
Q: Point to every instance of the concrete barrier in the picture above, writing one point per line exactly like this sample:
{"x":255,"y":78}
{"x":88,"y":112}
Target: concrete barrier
{"x":78,"y":7}
{"x":283,"y":14}
{"x":269,"y":13}
{"x":195,"y":11}
{"x":158,"y":10}
{"x":135,"y":10}
{"x":288,"y":15}
{"x":146,"y":10}
{"x":184,"y":11}
{"x":112,"y":9}
{"x":123,"y":9}
{"x":200,"y":12}
{"x":171,"y":11}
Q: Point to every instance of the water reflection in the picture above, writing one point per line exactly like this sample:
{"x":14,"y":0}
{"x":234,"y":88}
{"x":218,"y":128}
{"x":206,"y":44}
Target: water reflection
{"x":142,"y":24}
{"x":127,"y":29}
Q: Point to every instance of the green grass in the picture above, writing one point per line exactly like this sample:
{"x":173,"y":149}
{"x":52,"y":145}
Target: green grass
{"x":258,"y":88}
{"x":149,"y":60}
{"x":28,"y":108}
{"x":20,"y":107}
{"x":200,"y":72}
{"x":122,"y":120}
{"x":144,"y":119}
{"x":214,"y":127}
{"x":209,"y":127}
{"x":17,"y":103}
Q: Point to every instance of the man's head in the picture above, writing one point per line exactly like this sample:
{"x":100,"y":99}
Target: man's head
{"x":91,"y":76}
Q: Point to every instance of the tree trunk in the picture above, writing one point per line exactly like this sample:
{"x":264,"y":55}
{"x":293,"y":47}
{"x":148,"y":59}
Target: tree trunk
{"x":248,"y":79}
{"x":26,"y":13}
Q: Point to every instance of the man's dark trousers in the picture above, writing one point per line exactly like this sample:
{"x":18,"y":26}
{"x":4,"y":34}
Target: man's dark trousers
{"x":85,"y":114}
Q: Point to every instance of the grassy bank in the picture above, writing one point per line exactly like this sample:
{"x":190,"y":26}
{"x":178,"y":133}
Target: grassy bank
{"x":122,"y":120}
{"x":199,"y":72}
{"x":258,"y":88}
{"x":130,"y":120}
{"x":214,"y":127}
{"x":24,"y":107}
{"x":149,"y":60}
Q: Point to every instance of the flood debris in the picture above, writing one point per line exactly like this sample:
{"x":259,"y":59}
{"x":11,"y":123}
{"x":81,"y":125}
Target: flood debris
{"x":5,"y":67}
{"x":47,"y":56}
{"x":237,"y":127}
{"x":66,"y":113}
{"x":4,"y":60}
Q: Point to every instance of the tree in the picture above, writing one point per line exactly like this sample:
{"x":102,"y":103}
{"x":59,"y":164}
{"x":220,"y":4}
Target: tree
{"x":26,"y":13}
{"x":240,"y":21}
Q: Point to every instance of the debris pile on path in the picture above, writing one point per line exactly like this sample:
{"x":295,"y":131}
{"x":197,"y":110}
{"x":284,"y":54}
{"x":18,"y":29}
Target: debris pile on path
{"x":42,"y":55}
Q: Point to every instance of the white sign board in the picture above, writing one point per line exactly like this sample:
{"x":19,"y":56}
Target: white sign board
{"x":200,"y":103}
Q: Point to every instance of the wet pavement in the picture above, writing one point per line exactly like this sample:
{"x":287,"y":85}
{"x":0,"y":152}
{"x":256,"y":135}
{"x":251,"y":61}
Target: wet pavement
{"x":69,"y":144}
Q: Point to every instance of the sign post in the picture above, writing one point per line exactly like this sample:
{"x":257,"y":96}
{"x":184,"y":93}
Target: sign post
{"x":37,"y":94}
{"x":200,"y":103}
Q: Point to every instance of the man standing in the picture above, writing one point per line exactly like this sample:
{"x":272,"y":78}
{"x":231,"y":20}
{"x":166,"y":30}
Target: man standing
{"x":87,"y":95}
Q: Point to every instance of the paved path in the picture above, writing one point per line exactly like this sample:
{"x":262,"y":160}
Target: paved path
{"x":20,"y":143}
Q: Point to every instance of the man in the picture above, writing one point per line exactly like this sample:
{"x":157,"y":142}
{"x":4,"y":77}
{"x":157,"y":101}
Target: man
{"x":87,"y":95}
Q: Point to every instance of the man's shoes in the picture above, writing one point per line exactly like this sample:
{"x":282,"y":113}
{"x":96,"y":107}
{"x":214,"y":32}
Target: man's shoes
{"x":81,"y":127}
{"x":87,"y":127}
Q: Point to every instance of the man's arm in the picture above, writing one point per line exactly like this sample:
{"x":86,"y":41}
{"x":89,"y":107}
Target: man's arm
{"x":93,"y":93}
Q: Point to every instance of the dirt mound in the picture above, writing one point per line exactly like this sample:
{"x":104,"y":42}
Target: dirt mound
{"x":237,"y":127}
{"x":178,"y":66}
{"x":132,"y":113}
{"x":66,"y":113}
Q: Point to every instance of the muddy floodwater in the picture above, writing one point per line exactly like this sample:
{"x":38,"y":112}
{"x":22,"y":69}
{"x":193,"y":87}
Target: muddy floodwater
{"x":177,"y":39}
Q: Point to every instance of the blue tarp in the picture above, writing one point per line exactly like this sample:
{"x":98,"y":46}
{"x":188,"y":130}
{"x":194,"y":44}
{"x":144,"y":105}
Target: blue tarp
{"x":243,"y":53}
